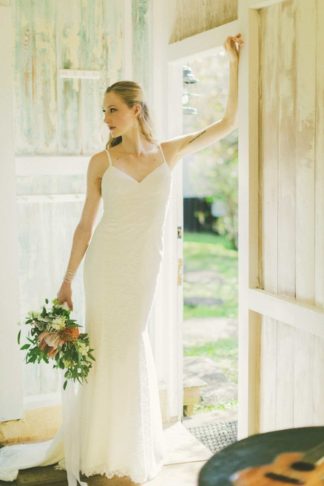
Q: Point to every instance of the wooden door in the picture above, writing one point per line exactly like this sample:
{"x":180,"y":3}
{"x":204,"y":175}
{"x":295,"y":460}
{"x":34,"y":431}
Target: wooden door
{"x":281,"y":216}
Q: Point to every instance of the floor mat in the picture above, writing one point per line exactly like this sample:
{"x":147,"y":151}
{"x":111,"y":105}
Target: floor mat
{"x":215,"y":436}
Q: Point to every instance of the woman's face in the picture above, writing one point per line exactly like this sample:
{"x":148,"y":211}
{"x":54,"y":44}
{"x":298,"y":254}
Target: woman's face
{"x":117,"y":115}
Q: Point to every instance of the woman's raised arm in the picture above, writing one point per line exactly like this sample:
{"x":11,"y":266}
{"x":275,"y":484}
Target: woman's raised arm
{"x":177,"y":147}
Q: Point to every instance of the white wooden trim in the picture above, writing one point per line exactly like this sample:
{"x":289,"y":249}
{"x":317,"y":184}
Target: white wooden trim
{"x":307,"y":317}
{"x":166,"y":324}
{"x":79,"y":74}
{"x":204,"y":43}
{"x":249,"y":321}
{"x":50,"y":198}
{"x":304,"y":160}
{"x":51,"y":165}
{"x":11,"y":358}
{"x":43,"y":400}
{"x":263,"y":3}
{"x":175,"y":282}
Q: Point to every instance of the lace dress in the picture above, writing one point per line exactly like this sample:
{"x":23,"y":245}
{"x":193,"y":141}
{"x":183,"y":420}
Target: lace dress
{"x":112,"y":425}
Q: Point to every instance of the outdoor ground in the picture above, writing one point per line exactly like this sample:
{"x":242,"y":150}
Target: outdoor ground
{"x":210,"y":323}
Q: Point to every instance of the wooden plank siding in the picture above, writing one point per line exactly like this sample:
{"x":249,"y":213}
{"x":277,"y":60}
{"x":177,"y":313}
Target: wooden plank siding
{"x":286,"y":273}
{"x":305,"y":39}
{"x":318,"y":354}
{"x":291,"y":207}
{"x":66,"y":54}
{"x":268,"y":65}
{"x":200,"y":16}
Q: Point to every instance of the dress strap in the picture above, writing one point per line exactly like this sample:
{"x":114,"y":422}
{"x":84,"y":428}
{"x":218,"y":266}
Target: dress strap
{"x":109,"y":158}
{"x":159,"y":145}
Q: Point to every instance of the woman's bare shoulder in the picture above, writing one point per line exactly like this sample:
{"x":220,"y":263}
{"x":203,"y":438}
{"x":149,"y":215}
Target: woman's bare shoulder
{"x":97,"y":164}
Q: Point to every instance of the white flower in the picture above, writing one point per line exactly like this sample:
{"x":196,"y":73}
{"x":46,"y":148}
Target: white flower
{"x":63,"y":306}
{"x":58,"y":323}
{"x":67,"y":363}
{"x":83,"y":348}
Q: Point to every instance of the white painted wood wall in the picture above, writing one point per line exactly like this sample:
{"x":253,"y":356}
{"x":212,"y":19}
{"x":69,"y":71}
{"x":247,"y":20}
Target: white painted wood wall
{"x":11,"y":391}
{"x":282,"y":273}
{"x":292,"y":218}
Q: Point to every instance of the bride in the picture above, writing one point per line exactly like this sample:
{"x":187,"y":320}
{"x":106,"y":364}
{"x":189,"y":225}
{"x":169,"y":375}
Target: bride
{"x":112,"y":424}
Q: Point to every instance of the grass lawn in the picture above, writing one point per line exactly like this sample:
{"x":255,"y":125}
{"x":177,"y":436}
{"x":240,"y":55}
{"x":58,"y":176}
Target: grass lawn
{"x":223,"y":351}
{"x":211,"y":290}
{"x":210,"y":276}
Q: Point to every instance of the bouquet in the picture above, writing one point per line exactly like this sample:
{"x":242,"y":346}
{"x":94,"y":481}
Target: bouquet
{"x":54,"y":335}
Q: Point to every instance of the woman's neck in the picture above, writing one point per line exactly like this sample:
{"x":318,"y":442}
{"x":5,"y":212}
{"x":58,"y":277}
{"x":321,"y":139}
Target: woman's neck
{"x":134,"y":142}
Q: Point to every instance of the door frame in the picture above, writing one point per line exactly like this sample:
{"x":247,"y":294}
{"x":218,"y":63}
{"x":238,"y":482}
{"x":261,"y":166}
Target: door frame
{"x":11,"y":393}
{"x":202,"y":44}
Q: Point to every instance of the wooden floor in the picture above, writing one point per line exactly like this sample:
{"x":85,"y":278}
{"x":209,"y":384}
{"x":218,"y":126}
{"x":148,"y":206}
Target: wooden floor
{"x":185,"y":474}
{"x":185,"y":456}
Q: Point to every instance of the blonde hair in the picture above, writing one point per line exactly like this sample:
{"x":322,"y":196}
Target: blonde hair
{"x":131,"y":93}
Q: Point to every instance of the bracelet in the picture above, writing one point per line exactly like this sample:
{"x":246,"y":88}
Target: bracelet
{"x":68,"y":276}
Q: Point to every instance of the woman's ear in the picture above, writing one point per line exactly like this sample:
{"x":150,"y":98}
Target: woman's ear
{"x":138,"y":109}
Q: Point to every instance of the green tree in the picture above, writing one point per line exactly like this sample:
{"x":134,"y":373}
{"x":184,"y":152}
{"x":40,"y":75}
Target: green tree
{"x":213,"y":171}
{"x":222,"y":185}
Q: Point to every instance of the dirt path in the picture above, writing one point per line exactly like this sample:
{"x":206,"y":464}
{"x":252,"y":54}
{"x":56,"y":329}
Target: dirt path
{"x":220,"y":389}
{"x":203,"y":330}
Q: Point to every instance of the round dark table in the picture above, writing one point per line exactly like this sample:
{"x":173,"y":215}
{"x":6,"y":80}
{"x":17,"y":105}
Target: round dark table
{"x":256,"y":450}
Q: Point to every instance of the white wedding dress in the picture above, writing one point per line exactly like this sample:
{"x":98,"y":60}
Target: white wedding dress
{"x":112,"y":424}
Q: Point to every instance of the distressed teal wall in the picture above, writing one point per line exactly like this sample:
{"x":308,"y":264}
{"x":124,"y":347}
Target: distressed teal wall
{"x":60,"y":115}
{"x":142,"y":42}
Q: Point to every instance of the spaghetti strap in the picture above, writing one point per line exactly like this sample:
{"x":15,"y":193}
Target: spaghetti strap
{"x":109,"y":158}
{"x":164,"y":160}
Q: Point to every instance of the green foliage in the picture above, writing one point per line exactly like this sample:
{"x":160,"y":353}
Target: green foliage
{"x":213,"y":292}
{"x":221,"y":174}
{"x":223,"y":406}
{"x":213,"y":171}
{"x":54,"y":335}
{"x":214,"y":260}
{"x":222,"y":348}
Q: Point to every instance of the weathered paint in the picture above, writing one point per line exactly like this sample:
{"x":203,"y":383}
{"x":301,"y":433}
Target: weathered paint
{"x":200,"y":15}
{"x":62,"y":115}
{"x":66,"y":54}
{"x":292,"y":209}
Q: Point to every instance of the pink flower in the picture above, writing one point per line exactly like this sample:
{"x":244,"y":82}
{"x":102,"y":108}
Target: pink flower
{"x":70,"y":333}
{"x":49,"y":342}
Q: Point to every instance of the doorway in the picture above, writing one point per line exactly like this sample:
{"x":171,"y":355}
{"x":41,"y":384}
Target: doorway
{"x":209,"y":253}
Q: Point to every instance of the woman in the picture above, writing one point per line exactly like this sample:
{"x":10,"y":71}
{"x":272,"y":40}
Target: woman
{"x":113,"y":425}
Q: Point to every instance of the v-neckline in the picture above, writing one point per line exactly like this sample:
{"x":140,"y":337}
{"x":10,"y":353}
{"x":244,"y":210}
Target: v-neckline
{"x":111,"y":166}
{"x":133,"y":178}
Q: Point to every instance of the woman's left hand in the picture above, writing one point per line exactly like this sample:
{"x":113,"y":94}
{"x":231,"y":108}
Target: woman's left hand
{"x":232,"y":46}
